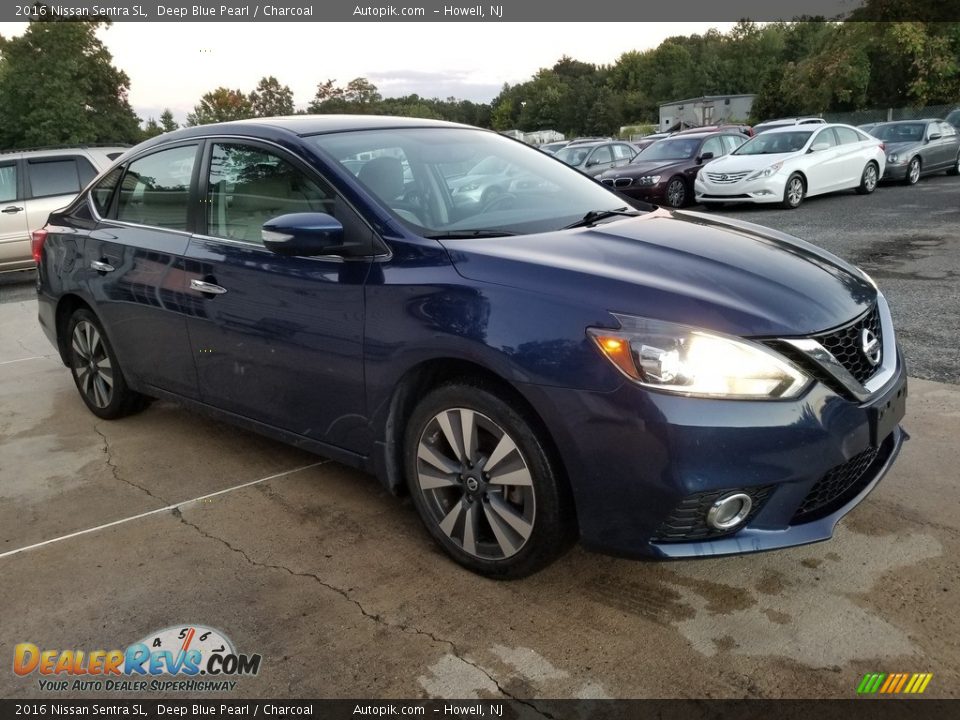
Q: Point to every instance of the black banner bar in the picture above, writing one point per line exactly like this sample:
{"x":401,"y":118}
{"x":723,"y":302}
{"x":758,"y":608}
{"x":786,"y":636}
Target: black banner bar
{"x":467,"y":11}
{"x":873,"y":708}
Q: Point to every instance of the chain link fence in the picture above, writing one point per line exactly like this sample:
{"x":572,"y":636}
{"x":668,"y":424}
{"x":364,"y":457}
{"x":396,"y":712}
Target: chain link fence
{"x":861,"y":117}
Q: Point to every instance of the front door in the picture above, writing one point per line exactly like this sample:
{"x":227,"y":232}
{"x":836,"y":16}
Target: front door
{"x":280,"y":340}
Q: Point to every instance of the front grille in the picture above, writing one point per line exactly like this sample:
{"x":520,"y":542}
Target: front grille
{"x":617,"y":182}
{"x":839,"y":485}
{"x":726,"y":178}
{"x":688,"y":521}
{"x":846,"y":345}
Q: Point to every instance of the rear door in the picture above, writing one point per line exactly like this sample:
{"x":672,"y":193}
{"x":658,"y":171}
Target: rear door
{"x":134,"y":265}
{"x":279,"y":339}
{"x":854,"y":153}
{"x":14,"y":236}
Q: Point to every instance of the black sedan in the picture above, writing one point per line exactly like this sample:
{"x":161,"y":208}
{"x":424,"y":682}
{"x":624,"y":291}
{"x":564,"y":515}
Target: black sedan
{"x":663,"y":174}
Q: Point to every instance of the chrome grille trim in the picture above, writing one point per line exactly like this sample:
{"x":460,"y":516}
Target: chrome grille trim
{"x":727,"y":178}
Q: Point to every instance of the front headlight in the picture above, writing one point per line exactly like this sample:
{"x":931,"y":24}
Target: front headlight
{"x":470,"y":187}
{"x":767,"y":172}
{"x":893,"y":158}
{"x":649,"y":180}
{"x":688,"y":361}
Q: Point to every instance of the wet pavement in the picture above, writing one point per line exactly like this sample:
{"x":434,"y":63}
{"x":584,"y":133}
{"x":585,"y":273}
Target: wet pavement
{"x":175,"y":519}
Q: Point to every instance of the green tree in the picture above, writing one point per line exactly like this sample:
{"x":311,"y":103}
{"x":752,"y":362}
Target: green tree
{"x":220,"y":105}
{"x":58,"y":86}
{"x":271,"y":99}
{"x":167,"y":122}
{"x":152,"y":129}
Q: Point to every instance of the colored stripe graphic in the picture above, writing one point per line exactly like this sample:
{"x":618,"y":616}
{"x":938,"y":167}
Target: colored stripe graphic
{"x":894,"y":683}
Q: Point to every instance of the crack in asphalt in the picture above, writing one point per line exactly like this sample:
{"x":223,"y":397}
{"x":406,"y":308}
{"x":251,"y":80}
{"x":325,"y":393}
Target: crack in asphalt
{"x":116,"y":470}
{"x":375,"y":617}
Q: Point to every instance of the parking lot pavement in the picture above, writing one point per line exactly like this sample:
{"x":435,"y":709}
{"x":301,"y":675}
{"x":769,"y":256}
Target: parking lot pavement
{"x":335,"y":583}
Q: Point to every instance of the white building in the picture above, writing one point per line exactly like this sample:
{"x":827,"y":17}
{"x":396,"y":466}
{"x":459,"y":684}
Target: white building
{"x":706,"y":110}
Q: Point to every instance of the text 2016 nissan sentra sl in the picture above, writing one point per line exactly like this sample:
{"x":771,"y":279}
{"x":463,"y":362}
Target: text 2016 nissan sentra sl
{"x":541,"y":365}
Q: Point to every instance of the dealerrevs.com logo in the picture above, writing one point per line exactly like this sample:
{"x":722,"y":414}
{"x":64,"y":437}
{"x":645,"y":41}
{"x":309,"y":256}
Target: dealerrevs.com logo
{"x":188,"y":658}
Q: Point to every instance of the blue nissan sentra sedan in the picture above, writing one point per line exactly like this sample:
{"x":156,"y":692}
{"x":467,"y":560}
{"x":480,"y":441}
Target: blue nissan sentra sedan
{"x":546,"y":363}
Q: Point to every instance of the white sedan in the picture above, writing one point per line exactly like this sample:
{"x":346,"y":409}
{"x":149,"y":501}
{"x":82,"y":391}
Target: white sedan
{"x":785,"y":165}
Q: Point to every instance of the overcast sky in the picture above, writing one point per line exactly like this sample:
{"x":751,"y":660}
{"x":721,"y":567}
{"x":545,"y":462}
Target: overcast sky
{"x":173,"y":64}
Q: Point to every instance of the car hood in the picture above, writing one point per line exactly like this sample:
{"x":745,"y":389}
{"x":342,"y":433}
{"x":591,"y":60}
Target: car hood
{"x":739,"y":163}
{"x":650,"y":167}
{"x":725,"y":275}
{"x":901,"y":147}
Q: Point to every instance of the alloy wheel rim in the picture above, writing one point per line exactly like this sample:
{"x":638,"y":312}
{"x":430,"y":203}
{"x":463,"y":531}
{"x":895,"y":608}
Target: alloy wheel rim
{"x":476,"y":484}
{"x":91,"y":364}
{"x":675,"y":193}
{"x":914,"y":171}
{"x":870,"y":178}
{"x":795,"y":193}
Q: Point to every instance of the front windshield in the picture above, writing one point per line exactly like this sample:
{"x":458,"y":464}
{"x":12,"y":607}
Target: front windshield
{"x":573,"y":156}
{"x":671,"y":149}
{"x":442,"y":181}
{"x":775,"y":143}
{"x":900,"y":132}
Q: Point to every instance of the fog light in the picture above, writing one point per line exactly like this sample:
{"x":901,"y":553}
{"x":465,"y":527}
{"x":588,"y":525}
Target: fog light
{"x":729,"y":511}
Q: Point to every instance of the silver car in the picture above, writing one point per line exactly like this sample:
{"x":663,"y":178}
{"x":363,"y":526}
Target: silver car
{"x":34,"y":183}
{"x":919,"y":147}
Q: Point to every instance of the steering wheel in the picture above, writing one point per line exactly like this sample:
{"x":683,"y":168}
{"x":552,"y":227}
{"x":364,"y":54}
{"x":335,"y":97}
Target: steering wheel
{"x":500,"y":198}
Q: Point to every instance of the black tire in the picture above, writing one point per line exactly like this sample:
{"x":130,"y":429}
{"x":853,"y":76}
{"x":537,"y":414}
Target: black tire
{"x":95,"y":369}
{"x":913,"y":172}
{"x":677,"y":195}
{"x":955,"y":170}
{"x":869,"y":179}
{"x":457,"y":494}
{"x":793,"y":192}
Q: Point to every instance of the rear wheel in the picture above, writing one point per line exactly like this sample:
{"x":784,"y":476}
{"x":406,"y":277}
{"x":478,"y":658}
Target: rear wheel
{"x":913,"y":172}
{"x":96,"y":371}
{"x":793,"y":192}
{"x":955,"y":170}
{"x":869,"y":179}
{"x":483,"y":483}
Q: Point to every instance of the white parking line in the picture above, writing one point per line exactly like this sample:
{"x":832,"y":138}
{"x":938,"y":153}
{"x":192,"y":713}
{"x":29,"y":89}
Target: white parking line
{"x":158,"y":510}
{"x":35,"y":357}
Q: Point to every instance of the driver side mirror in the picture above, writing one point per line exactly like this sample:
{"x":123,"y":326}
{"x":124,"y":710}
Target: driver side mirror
{"x":303,"y":234}
{"x":706,"y":156}
{"x":934,"y":136}
{"x":817,"y":147}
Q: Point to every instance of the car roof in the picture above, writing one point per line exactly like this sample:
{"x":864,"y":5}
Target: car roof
{"x":904,"y":122}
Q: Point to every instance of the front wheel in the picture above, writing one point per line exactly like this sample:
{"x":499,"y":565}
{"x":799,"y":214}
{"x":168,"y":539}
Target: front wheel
{"x":793,"y":192}
{"x":869,"y":179}
{"x":483,"y":483}
{"x":913,"y":172}
{"x":676,"y":193}
{"x":96,"y":371}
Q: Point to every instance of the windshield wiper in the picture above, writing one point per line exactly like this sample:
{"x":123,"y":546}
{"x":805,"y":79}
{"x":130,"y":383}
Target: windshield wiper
{"x":469,"y":234}
{"x":594,"y":215}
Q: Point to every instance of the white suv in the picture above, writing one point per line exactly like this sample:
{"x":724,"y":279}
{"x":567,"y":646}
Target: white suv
{"x":34,"y":183}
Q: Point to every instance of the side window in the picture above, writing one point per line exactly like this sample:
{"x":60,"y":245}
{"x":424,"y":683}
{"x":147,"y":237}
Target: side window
{"x":847,"y":136}
{"x":102,"y":192}
{"x":55,"y":176}
{"x":602,"y":155}
{"x":713,"y":145}
{"x":8,"y":182}
{"x":249,"y":186}
{"x":156,"y":189}
{"x":825,"y":136}
{"x":732,"y":142}
{"x":947,"y":130}
{"x":623,"y":152}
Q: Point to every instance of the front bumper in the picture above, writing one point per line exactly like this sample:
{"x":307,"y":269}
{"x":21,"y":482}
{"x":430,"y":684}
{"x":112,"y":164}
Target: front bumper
{"x":895,"y":172}
{"x":761,"y":190}
{"x":634,"y":456}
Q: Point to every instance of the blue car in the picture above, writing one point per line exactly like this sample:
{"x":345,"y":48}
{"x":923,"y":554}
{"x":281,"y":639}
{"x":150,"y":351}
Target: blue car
{"x":536,"y":368}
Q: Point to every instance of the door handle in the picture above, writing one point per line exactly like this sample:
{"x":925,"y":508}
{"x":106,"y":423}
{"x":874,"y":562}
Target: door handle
{"x":11,"y":210}
{"x":205,"y":287}
{"x":101,"y":266}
